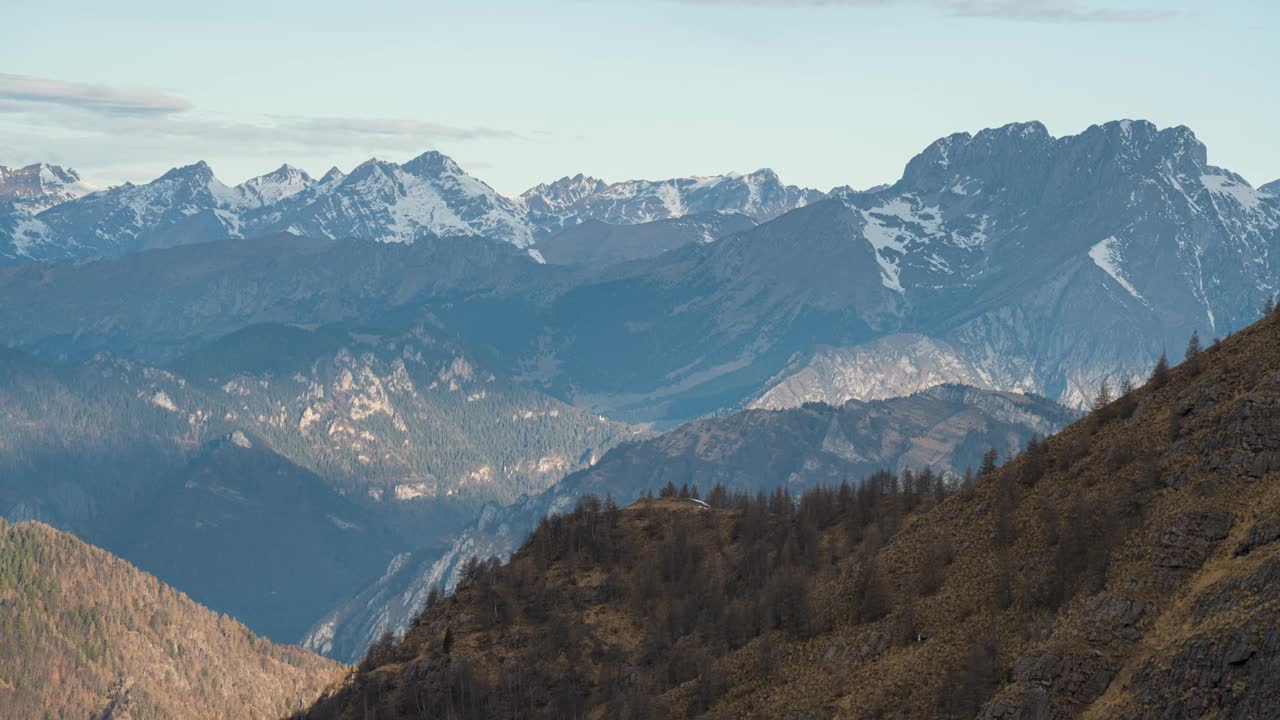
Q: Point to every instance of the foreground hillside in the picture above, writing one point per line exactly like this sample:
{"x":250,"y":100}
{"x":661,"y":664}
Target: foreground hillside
{"x":1128,"y":566}
{"x":946,"y":428}
{"x":85,"y":634}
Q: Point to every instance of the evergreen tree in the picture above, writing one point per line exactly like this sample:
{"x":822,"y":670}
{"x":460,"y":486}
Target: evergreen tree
{"x":1103,"y":398}
{"x":1193,"y":346}
{"x":989,"y":459}
{"x":1160,"y":374}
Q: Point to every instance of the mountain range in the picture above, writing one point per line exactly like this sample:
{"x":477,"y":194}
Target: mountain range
{"x":378,"y":200}
{"x":1019,"y":260}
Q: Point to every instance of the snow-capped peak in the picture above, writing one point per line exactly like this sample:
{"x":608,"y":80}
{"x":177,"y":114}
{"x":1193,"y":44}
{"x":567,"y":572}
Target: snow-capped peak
{"x":432,"y":163}
{"x":572,"y":200}
{"x":275,"y":186}
{"x":35,"y":188}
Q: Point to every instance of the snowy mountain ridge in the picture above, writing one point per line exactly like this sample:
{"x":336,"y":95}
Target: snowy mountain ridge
{"x":760,"y":195}
{"x":379,"y":200}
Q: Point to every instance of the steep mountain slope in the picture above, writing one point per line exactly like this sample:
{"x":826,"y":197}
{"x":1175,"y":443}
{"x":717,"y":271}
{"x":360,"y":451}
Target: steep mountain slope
{"x":946,"y":429}
{"x":275,"y":472}
{"x":569,"y":201}
{"x":85,"y":634}
{"x":1123,"y":568}
{"x":598,"y":243}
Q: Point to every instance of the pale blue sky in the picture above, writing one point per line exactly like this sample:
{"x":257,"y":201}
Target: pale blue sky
{"x":826,"y":92}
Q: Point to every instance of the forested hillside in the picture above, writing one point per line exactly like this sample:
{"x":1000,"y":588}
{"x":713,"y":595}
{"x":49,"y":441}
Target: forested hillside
{"x":84,"y":634}
{"x":1124,"y":567}
{"x":941,"y":430}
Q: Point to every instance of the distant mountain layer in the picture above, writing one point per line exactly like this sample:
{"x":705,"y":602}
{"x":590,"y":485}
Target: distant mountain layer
{"x":1019,"y":260}
{"x":85,"y":634}
{"x":572,"y":200}
{"x":597,"y":244}
{"x":213,"y":289}
{"x":945,"y":428}
{"x":378,"y":200}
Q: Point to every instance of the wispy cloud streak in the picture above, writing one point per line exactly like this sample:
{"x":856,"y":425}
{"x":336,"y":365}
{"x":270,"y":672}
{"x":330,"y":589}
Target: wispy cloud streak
{"x":91,"y":97}
{"x":1042,"y":11}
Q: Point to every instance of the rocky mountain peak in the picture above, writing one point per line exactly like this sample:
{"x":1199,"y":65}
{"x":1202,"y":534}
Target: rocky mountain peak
{"x":563,"y":191}
{"x":287,"y":171}
{"x":40,"y":186}
{"x":276,"y":185}
{"x":196,"y":172}
{"x":432,"y":164}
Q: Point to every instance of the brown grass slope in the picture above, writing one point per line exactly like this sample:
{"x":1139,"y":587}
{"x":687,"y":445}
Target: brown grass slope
{"x":84,"y":634}
{"x":1127,"y":567}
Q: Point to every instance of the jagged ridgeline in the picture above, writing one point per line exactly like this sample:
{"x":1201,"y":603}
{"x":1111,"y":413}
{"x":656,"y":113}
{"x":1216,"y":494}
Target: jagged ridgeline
{"x":1127,"y":567}
{"x":84,"y":634}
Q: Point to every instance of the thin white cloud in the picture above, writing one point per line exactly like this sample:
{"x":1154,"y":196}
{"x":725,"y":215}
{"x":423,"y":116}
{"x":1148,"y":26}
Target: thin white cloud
{"x":118,"y":134}
{"x":1043,"y":11}
{"x":329,"y":127}
{"x":88,"y":96}
{"x":1051,"y":11}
